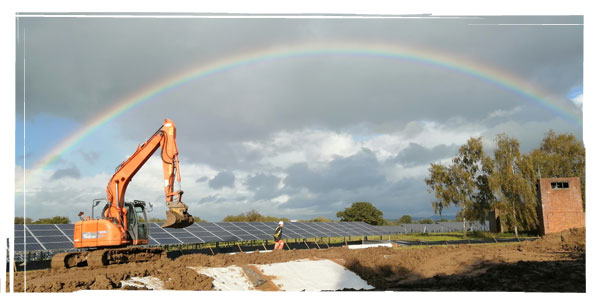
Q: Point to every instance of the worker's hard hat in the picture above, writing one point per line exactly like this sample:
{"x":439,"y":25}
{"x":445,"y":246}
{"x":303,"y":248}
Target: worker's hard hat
{"x":280,"y":222}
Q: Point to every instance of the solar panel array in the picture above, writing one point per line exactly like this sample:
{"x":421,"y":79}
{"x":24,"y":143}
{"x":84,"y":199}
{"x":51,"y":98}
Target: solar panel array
{"x":438,"y":227}
{"x":49,"y":237}
{"x":43,"y":237}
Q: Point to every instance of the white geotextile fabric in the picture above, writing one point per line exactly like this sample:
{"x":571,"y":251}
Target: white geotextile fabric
{"x":230,"y":278}
{"x":363,"y":246}
{"x":312,"y":275}
{"x":149,"y":282}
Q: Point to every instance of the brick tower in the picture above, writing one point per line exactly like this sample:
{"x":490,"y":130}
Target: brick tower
{"x":561,"y":205}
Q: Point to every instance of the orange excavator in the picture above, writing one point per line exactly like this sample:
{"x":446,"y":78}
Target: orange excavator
{"x":117,"y":236}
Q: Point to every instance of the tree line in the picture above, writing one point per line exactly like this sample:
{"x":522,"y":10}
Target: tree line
{"x":53,"y":220}
{"x":254,"y":216}
{"x":407,"y":219}
{"x":477,"y":182}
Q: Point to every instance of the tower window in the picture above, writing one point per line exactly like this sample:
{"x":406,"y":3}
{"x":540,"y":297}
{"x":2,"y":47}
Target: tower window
{"x":559,"y":185}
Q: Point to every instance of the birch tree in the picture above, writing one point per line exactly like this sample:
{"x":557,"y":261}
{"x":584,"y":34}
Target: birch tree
{"x":511,"y":185}
{"x":464,"y":183}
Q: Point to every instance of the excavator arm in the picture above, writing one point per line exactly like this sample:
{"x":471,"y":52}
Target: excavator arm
{"x":177,"y":216}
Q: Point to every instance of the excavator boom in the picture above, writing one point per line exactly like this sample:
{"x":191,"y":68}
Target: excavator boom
{"x":165,"y":138}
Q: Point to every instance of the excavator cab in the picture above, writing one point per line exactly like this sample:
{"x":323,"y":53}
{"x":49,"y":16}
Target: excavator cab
{"x":137,"y":221}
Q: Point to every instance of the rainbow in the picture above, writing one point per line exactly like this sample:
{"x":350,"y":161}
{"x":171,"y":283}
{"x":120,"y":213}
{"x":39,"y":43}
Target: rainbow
{"x":470,"y":68}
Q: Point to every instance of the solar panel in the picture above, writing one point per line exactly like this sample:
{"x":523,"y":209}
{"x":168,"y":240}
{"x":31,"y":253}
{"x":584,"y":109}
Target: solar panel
{"x":40,"y":233}
{"x":162,"y":235}
{"x":58,"y":245}
{"x":29,"y":247}
{"x":221,"y":232}
{"x":210,"y":239}
{"x":241,"y":232}
{"x":347,"y":229}
{"x":59,"y":236}
{"x":336,"y":230}
{"x":165,"y":236}
{"x":168,"y":241}
{"x":52,"y":239}
{"x":438,"y":227}
{"x":369,"y":229}
{"x":291,"y":230}
{"x":206,"y":235}
{"x":181,"y":234}
{"x":28,"y":240}
{"x":256,"y":229}
{"x":41,"y":226}
{"x":317,"y":229}
{"x":64,"y":227}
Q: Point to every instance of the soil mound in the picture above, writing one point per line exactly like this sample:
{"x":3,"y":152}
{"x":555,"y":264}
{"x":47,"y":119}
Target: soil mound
{"x":527,"y":276}
{"x":174,"y":275}
{"x":555,"y":262}
{"x":568,"y":240}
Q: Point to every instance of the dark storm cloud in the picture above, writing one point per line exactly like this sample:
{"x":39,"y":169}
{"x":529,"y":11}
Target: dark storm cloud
{"x":263,"y":180}
{"x":264,"y":186}
{"x":349,"y":173}
{"x":223,"y":179}
{"x":67,"y":172}
{"x":210,"y":199}
{"x":79,"y":67}
{"x":529,"y":134}
{"x":202,"y":179}
{"x":416,"y":154}
{"x":393,"y":198}
{"x":360,"y":178}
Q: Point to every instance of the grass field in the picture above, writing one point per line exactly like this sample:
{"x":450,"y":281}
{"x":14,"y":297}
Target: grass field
{"x":454,"y":236}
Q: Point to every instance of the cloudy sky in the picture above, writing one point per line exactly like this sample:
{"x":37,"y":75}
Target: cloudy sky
{"x":297,"y":136}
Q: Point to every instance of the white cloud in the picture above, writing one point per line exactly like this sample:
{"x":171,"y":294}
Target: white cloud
{"x":578,"y":101}
{"x":316,"y":147}
{"x":503,"y":113}
{"x":41,"y":196}
{"x":281,"y":199}
{"x":397,"y":172}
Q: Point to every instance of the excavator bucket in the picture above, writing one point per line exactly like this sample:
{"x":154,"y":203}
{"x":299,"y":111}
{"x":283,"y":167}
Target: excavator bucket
{"x":177,"y":217}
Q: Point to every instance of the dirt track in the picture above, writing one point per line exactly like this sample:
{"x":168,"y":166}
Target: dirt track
{"x":554,"y":263}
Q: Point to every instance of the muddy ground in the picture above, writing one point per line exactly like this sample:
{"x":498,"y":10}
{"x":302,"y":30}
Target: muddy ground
{"x":555,"y":263}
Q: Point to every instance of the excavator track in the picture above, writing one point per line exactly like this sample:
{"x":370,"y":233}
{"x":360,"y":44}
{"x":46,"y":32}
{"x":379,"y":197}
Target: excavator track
{"x":104,"y":257}
{"x":68,"y":260}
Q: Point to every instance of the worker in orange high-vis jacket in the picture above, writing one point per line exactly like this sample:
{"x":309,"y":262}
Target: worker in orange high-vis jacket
{"x":278,"y":237}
